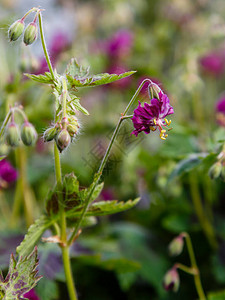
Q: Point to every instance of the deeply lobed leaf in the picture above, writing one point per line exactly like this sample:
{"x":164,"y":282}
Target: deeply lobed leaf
{"x":22,"y":276}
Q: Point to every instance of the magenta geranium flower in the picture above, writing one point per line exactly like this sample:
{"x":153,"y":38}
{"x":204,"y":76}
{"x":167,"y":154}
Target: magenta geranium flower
{"x":214,"y":63}
{"x":152,"y":116}
{"x":31,"y":295}
{"x":7,"y":173}
{"x":220,"y":111}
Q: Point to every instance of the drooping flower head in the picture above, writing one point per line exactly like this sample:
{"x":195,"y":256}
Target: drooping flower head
{"x":152,"y":116}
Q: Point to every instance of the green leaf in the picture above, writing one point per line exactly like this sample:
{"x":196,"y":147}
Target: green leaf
{"x":104,"y":208}
{"x":33,"y":235}
{"x":216,"y":295}
{"x":22,"y":276}
{"x":95,"y":80}
{"x":74,"y":104}
{"x":43,"y":78}
{"x":187,"y":164}
{"x":2,"y":157}
{"x":75,"y":70}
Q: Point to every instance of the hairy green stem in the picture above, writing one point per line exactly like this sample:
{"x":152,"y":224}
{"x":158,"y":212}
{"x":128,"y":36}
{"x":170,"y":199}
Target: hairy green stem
{"x":104,"y":160}
{"x":194,"y":266}
{"x":64,"y":245}
{"x":44,"y":46}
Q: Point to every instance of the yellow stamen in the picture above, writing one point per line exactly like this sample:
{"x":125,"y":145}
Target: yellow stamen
{"x":167,"y":122}
{"x":152,"y":128}
{"x":154,"y":121}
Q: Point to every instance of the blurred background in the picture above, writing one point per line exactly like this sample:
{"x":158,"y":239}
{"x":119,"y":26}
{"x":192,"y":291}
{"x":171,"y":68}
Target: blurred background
{"x":179,"y":44}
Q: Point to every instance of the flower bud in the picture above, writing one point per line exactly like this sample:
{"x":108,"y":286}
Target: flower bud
{"x":15,"y":30}
{"x":63,"y":140}
{"x":4,"y":149}
{"x":171,"y":280}
{"x":50,"y":134}
{"x":176,"y":245}
{"x":30,"y":33}
{"x":12,"y":135}
{"x":72,"y":129}
{"x":215,"y":170}
{"x":28,"y":134}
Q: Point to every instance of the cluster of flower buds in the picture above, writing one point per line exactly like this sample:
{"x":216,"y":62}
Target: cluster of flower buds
{"x":27,"y":133}
{"x":30,"y":33}
{"x":217,"y":170}
{"x":63,"y":132}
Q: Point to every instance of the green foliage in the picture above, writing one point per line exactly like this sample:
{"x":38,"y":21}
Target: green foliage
{"x":216,"y":295}
{"x":96,"y":80}
{"x":188,"y":164}
{"x":33,"y":235}
{"x":102,"y":208}
{"x":22,"y":276}
{"x":42,"y":78}
{"x":75,"y":70}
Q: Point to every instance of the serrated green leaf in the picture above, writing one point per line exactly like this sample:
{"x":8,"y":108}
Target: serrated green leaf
{"x":33,"y":235}
{"x":102,"y":208}
{"x":43,"y":78}
{"x":216,"y":295}
{"x":22,"y":276}
{"x":75,"y":70}
{"x":96,"y":80}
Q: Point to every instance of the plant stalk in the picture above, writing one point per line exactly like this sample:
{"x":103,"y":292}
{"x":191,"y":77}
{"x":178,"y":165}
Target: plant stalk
{"x":64,"y":245}
{"x":105,"y":158}
{"x":194,"y":266}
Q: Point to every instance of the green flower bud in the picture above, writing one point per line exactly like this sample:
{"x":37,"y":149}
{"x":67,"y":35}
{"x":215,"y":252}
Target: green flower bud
{"x":171,"y":280}
{"x":4,"y":149}
{"x":28,"y":134}
{"x":50,"y":134}
{"x":63,"y":140}
{"x":15,"y":30}
{"x":30,"y":34}
{"x":176,"y":245}
{"x":215,"y":170}
{"x":72,"y":129}
{"x":12,"y":135}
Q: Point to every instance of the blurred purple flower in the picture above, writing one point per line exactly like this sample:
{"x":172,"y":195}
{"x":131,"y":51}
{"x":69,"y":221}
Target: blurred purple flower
{"x":152,"y":116}
{"x":7,"y":173}
{"x":31,"y":295}
{"x":220,"y":111}
{"x":120,"y":44}
{"x":59,"y":43}
{"x":214,"y":63}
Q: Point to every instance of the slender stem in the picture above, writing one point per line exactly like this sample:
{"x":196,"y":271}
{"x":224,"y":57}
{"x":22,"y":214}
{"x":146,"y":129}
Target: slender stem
{"x":68,"y":273}
{"x":64,"y":96}
{"x":197,"y":279}
{"x":64,"y":245}
{"x":7,"y":118}
{"x":44,"y":46}
{"x":104,"y":160}
{"x":191,"y":271}
{"x":196,"y":198}
{"x":31,"y":10}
